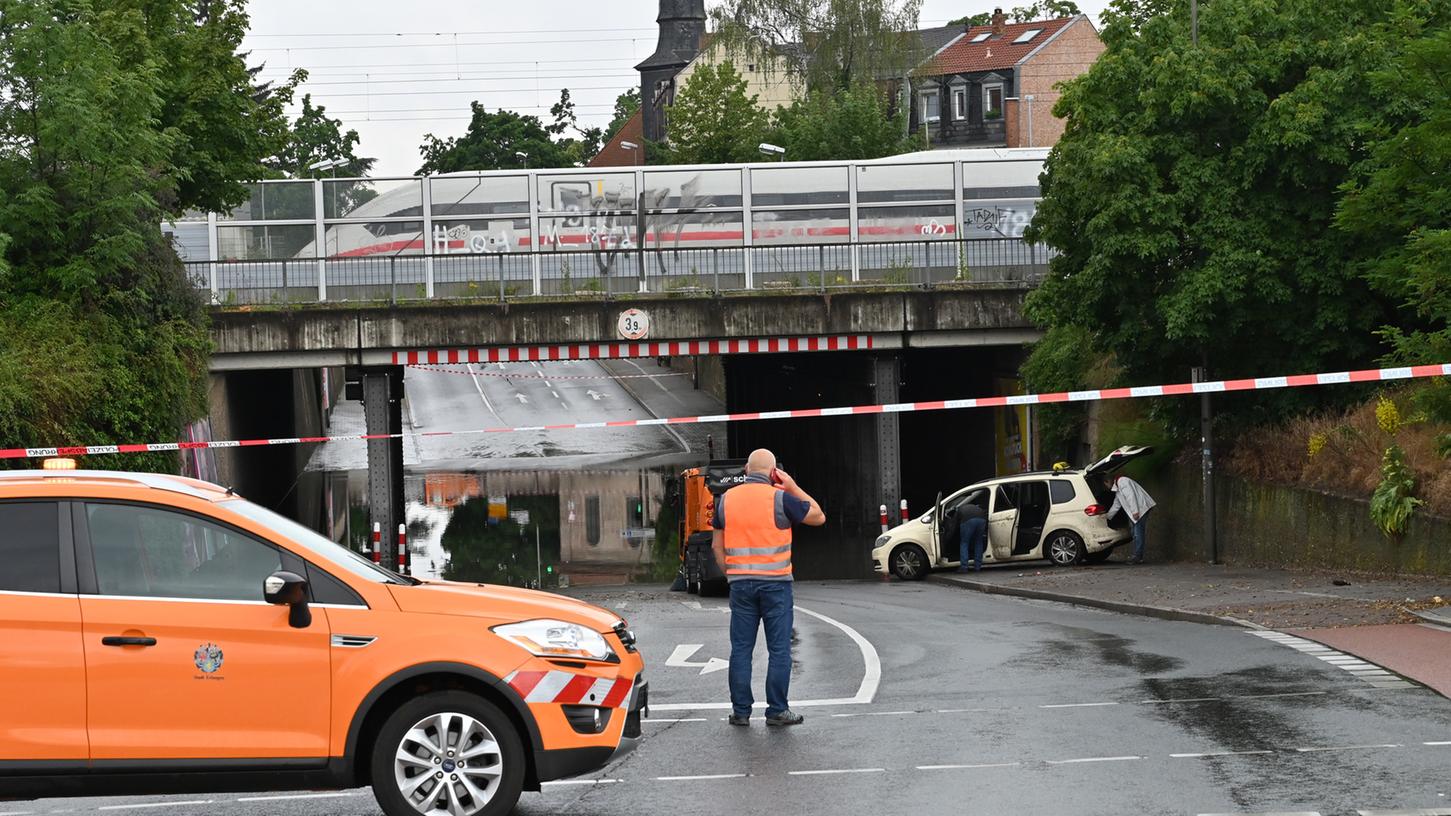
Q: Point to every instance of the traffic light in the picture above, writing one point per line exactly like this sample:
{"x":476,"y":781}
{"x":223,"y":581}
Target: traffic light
{"x":549,"y":570}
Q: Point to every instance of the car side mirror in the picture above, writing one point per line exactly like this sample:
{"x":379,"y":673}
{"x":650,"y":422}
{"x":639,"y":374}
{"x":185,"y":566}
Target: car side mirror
{"x":284,"y":588}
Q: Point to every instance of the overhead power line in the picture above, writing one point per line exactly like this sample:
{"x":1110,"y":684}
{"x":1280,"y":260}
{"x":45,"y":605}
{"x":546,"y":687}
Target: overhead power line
{"x":450,"y":44}
{"x":326,"y":34}
{"x":554,"y":78}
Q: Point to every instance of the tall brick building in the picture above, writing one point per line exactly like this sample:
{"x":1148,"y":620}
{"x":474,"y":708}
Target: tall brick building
{"x":994,"y":85}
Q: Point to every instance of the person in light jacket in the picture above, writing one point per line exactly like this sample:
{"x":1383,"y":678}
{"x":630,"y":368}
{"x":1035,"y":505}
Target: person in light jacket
{"x":1130,"y":497}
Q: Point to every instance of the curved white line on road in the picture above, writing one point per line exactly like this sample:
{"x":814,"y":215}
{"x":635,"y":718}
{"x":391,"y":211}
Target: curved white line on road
{"x":865,"y":693}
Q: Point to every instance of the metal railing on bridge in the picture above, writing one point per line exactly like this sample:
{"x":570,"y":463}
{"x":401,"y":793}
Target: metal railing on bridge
{"x":922,"y":219}
{"x":507,"y":276}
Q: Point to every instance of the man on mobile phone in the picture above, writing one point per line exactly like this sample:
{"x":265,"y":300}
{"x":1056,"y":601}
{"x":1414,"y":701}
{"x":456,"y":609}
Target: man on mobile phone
{"x":752,"y":544}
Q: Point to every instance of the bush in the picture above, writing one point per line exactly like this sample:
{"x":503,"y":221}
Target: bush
{"x":1394,"y":500}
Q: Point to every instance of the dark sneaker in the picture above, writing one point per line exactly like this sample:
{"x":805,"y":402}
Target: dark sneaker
{"x":787,"y":717}
{"x":734,"y":720}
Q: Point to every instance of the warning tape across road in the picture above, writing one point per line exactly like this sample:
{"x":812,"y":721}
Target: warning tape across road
{"x":1139,"y":392}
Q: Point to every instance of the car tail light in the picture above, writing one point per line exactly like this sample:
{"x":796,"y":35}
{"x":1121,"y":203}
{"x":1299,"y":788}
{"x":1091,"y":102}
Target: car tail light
{"x":1094,"y":510}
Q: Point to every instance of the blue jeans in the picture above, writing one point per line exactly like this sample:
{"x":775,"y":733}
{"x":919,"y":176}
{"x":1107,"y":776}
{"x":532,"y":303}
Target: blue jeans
{"x":974,"y":536}
{"x":752,"y":602}
{"x":1139,"y":535}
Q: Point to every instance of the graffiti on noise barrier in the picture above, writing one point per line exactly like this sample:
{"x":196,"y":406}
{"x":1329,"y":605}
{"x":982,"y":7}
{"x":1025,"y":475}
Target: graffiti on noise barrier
{"x":1005,"y":222}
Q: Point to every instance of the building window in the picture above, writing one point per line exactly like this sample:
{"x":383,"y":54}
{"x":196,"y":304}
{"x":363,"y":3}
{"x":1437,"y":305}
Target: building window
{"x":992,"y":102}
{"x":931,"y":109}
{"x":959,"y":103}
{"x":592,"y":520}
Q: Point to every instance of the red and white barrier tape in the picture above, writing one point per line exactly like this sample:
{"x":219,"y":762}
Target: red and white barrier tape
{"x":512,"y":376}
{"x":619,"y":351}
{"x":1179,"y":389}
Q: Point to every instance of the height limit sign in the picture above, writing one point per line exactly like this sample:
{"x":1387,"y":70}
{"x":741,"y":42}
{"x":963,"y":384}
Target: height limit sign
{"x":634,"y":324}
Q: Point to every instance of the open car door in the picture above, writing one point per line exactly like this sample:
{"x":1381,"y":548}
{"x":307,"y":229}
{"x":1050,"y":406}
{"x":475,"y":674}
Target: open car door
{"x":1002,"y":522}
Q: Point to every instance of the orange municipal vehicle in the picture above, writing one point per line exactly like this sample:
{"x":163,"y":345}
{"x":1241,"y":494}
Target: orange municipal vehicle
{"x":161,"y":635}
{"x":696,"y":492}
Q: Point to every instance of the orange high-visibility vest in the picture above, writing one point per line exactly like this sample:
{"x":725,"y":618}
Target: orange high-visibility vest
{"x":756,"y":546}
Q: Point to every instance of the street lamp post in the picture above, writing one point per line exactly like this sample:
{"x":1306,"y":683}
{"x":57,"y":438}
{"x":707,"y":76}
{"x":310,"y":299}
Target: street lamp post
{"x":328,"y":164}
{"x":773,"y":150}
{"x":523,"y":157}
{"x":633,"y":148}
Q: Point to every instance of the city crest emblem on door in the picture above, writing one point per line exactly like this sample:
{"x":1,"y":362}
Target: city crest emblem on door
{"x":208,"y":657}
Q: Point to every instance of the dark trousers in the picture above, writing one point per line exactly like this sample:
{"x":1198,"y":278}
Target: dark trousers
{"x":754,"y":602}
{"x":974,"y":536}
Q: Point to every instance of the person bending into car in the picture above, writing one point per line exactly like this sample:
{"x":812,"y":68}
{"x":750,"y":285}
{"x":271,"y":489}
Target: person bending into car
{"x":972,"y":521}
{"x":752,"y":545}
{"x":1133,"y":499}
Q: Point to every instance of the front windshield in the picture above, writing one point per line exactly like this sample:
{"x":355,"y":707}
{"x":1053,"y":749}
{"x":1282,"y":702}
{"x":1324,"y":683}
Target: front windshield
{"x":314,"y":543}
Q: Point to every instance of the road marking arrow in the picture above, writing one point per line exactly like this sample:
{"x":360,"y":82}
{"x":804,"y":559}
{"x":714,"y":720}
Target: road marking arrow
{"x":595,"y":395}
{"x":682,"y":654}
{"x":523,"y":400}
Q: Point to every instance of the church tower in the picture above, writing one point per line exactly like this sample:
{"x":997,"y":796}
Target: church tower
{"x":682,"y":29}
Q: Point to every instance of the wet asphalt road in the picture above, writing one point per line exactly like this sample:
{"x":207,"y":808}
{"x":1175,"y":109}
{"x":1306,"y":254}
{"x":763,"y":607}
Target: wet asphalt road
{"x":984,"y":705}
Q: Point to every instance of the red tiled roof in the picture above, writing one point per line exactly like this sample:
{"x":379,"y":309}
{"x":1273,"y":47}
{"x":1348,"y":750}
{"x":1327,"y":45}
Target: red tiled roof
{"x":996,"y":52}
{"x":613,"y":155}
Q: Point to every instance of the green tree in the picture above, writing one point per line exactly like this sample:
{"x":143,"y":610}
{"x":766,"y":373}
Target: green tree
{"x":850,"y":124}
{"x":1192,"y":215}
{"x":585,"y":143}
{"x":713,"y":121}
{"x":316,"y":137}
{"x":225,"y":125}
{"x":1041,"y":10}
{"x":627,"y":105}
{"x":493,"y":142}
{"x":1397,"y":206}
{"x":833,"y":44}
{"x":113,"y":116}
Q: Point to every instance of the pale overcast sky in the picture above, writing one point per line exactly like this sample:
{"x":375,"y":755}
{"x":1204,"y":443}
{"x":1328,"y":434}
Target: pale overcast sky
{"x":395,"y":71}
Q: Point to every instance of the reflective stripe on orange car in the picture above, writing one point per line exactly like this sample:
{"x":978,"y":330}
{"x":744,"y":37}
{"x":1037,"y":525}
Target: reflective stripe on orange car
{"x":569,"y":689}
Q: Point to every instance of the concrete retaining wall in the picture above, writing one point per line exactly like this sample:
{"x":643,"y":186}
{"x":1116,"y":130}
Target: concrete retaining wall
{"x":1272,"y":525}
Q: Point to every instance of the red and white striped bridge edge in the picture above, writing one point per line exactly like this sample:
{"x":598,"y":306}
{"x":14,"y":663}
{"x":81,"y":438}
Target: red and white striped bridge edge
{"x":619,"y":351}
{"x":1139,"y":392}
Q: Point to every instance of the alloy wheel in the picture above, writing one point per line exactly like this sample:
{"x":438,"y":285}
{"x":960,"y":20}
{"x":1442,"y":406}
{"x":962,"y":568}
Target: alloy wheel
{"x":1063,"y":549}
{"x":909,"y":563}
{"x":448,"y":763}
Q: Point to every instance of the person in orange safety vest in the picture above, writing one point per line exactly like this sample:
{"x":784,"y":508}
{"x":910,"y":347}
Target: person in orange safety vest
{"x":752,"y":544}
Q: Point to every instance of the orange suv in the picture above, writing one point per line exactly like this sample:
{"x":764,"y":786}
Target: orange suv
{"x":161,"y":635}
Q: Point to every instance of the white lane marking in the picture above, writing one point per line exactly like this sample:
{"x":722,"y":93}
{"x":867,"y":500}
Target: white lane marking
{"x":296,"y":796}
{"x":866,"y":692}
{"x":1413,"y":812}
{"x":1219,"y":754}
{"x":702,"y":776}
{"x":18,"y":813}
{"x":837,"y":771}
{"x":1316,"y":750}
{"x":680,"y":659}
{"x":1436,"y":743}
{"x":547,"y":384}
{"x":1077,"y":705}
{"x":1187,"y":700}
{"x":555,"y":393}
{"x":158,"y":804}
{"x":1093,"y":759}
{"x":962,"y":710}
{"x":676,"y":720}
{"x":967,"y":767}
{"x":474,"y":378}
{"x":875,"y":714}
{"x":582,"y":782}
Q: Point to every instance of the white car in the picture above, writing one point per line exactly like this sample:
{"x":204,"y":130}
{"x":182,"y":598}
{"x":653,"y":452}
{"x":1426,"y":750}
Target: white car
{"x":1060,"y":515}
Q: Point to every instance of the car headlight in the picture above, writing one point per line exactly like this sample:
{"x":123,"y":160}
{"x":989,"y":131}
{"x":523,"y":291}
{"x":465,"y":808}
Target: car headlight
{"x":555,"y":638}
{"x":881,"y":542}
